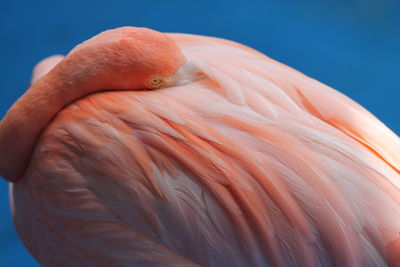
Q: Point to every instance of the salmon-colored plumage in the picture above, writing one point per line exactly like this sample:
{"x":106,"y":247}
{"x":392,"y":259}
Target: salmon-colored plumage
{"x":240,"y":161}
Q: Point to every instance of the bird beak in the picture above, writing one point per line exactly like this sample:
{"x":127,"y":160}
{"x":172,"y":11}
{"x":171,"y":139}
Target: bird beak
{"x":188,"y":73}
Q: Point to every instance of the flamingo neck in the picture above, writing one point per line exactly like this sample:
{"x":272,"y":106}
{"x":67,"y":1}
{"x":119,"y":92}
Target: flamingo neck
{"x":27,"y":118}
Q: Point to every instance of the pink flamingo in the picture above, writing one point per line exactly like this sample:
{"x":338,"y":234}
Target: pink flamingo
{"x":235,"y":160}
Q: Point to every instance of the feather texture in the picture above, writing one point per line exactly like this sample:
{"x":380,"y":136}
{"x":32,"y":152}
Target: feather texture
{"x":256,"y":165}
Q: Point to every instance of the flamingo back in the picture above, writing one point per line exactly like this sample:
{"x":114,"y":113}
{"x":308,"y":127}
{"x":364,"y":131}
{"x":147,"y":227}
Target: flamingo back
{"x":256,"y":165}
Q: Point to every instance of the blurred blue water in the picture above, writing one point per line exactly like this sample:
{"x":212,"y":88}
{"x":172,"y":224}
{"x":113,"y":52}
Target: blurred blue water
{"x":351,"y":45}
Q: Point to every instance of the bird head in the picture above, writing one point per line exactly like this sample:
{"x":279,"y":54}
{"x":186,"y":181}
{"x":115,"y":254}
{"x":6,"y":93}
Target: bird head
{"x":127,"y":58}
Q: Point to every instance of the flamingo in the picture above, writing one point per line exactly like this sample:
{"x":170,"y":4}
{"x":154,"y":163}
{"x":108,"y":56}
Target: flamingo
{"x":142,"y":148}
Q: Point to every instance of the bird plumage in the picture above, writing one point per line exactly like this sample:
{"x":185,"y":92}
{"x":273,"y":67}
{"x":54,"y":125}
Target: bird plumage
{"x":255,"y":165}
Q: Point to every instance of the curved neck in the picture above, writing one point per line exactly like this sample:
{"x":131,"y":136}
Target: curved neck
{"x":25,"y":120}
{"x":121,"y":59}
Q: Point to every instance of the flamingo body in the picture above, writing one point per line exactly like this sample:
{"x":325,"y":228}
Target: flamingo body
{"x":254,"y":165}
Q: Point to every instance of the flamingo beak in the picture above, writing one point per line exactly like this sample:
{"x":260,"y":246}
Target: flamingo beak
{"x":187,"y":73}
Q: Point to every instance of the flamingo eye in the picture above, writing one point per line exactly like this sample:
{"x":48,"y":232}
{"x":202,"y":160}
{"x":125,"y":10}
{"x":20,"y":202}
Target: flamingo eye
{"x":156,"y":82}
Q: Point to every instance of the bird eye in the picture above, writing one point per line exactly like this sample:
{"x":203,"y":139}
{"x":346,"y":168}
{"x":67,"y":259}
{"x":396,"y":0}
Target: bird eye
{"x":156,"y":82}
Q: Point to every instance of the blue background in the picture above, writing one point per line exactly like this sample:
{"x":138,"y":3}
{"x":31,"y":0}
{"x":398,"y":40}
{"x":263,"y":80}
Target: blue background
{"x":351,"y":45}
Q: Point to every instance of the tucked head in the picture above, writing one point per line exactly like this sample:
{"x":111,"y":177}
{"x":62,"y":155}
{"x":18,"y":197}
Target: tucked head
{"x":129,"y":58}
